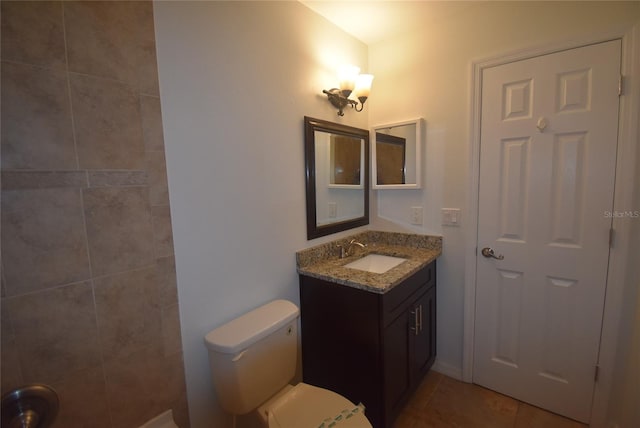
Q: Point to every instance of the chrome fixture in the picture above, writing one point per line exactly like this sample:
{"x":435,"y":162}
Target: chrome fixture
{"x":417,"y":320}
{"x":346,"y":252}
{"x":350,"y":81}
{"x":32,"y":406}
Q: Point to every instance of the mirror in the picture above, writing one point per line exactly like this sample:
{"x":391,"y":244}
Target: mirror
{"x":396,"y":155}
{"x":336,"y":160}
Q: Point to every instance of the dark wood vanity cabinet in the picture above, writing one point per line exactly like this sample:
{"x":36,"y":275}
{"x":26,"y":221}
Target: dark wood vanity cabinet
{"x":371,"y":348}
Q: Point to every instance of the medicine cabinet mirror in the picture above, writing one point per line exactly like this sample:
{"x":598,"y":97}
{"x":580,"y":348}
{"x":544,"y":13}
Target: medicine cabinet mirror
{"x":337,"y":177}
{"x":396,"y":155}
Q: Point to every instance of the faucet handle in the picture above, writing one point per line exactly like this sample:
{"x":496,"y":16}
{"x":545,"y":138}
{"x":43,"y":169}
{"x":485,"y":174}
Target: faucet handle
{"x":343,"y":252}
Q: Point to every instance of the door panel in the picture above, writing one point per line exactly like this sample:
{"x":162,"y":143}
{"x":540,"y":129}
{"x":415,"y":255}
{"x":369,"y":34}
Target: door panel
{"x":547,"y":169}
{"x":397,"y":357}
{"x":423,"y":343}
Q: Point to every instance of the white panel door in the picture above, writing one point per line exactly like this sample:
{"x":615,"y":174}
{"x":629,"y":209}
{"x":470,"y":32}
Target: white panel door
{"x":547,"y":168}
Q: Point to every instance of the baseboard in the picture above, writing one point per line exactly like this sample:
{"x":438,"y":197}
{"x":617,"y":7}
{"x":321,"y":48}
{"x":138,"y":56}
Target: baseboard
{"x":447,"y":369}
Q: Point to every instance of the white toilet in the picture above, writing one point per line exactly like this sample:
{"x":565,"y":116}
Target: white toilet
{"x":253,"y":358}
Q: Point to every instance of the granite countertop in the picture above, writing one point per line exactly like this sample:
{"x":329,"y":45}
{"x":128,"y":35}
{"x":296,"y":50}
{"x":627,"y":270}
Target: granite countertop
{"x":323,"y":262}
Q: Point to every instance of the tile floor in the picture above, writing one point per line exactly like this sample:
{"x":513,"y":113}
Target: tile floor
{"x":441,"y":401}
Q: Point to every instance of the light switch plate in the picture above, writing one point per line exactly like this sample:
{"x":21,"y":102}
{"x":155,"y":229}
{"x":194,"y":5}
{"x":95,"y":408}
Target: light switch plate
{"x":416,"y":215}
{"x":333,"y":210}
{"x":451,"y":217}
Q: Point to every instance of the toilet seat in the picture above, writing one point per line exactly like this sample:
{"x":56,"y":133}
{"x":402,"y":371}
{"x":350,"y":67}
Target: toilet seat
{"x":307,"y":406}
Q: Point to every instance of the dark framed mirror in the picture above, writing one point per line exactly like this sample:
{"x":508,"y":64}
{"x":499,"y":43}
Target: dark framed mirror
{"x":337,"y":177}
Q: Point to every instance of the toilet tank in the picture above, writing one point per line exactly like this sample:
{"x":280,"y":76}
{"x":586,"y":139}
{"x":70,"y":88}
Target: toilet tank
{"x":253,"y":356}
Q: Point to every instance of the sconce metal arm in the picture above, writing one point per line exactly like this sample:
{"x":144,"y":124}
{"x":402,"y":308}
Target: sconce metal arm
{"x":339,"y":101}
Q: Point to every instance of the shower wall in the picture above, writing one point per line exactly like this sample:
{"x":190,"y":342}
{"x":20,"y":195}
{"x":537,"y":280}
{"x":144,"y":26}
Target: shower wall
{"x":89,"y":300}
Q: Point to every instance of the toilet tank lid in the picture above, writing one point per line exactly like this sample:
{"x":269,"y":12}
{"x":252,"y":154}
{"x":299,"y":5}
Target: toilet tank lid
{"x":242,"y":332}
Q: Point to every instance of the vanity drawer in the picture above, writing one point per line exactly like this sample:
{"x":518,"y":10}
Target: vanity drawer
{"x":394,"y":301}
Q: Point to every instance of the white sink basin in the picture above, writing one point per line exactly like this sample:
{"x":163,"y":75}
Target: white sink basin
{"x":376,"y":263}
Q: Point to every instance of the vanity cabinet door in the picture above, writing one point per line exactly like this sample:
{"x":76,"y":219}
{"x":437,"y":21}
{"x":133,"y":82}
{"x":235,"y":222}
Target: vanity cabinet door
{"x":409,"y":350}
{"x":397,"y":358}
{"x":423,"y":347}
{"x":341,"y":341}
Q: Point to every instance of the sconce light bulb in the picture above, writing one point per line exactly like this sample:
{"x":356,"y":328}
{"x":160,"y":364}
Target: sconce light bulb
{"x":347,"y":74}
{"x":363,"y":85}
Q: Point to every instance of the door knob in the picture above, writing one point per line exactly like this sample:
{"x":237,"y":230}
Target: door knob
{"x":542,"y":124}
{"x":489,"y":253}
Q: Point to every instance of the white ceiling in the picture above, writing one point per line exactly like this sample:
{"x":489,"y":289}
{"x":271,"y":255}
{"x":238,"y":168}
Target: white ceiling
{"x":373,"y":21}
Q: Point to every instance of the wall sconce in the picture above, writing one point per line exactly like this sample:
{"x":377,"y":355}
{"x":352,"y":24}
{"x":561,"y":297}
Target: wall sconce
{"x":350,"y":81}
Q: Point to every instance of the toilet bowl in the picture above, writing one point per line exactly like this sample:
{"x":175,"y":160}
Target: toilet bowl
{"x":306,"y":405}
{"x":253,"y":359}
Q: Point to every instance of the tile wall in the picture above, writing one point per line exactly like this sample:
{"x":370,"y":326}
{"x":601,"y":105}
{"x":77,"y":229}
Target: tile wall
{"x":89,"y":299}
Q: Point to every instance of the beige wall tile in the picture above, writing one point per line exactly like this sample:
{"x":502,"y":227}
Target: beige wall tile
{"x":32,"y":32}
{"x":16,"y":180}
{"x":117,"y":178}
{"x":159,"y":194}
{"x":43,"y":239}
{"x":171,"y":330}
{"x":142,"y":386}
{"x":152,"y":123}
{"x":162,"y":231}
{"x":119,"y":229}
{"x":167,"y":283}
{"x":11,"y":374}
{"x":55,"y":332}
{"x":181,"y":412}
{"x":129,"y":316}
{"x":102,"y":39}
{"x":147,"y":61}
{"x":111,"y":345}
{"x":36,"y":119}
{"x":157,"y":169}
{"x":108,"y":126}
{"x":83,"y":400}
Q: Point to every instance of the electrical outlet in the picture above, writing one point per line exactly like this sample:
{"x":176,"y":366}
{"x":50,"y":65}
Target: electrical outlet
{"x":451,"y":216}
{"x":416,"y":215}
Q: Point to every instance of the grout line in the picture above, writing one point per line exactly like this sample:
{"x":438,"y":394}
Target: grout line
{"x":130,"y":85}
{"x":37,"y":66}
{"x":68,"y":78}
{"x":89,"y":279}
{"x":42,"y":290}
{"x":84,"y":221}
{"x":136,"y":269}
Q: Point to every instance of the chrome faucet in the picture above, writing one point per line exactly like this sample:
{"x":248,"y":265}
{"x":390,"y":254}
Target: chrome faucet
{"x":347,"y":252}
